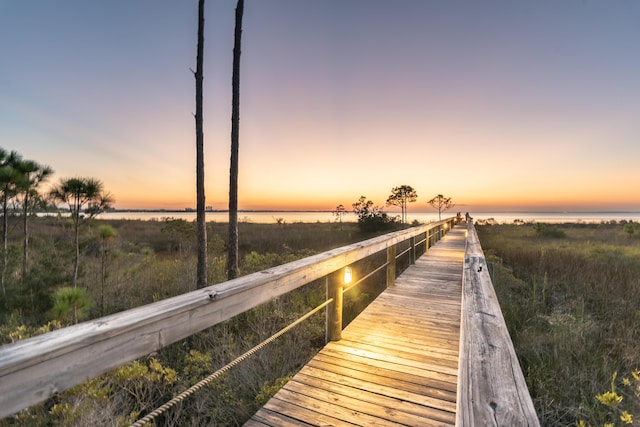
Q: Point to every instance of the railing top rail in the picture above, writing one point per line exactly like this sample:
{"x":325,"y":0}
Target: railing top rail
{"x":491,"y":387}
{"x":36,"y":368}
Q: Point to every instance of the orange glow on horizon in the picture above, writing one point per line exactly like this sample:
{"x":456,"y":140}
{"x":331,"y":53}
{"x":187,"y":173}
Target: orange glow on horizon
{"x":329,"y":203}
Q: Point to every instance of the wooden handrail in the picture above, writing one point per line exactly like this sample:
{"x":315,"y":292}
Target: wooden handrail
{"x":35,"y":369}
{"x":491,"y":387}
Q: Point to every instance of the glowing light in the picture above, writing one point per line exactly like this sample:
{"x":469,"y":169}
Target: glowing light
{"x":348,"y":275}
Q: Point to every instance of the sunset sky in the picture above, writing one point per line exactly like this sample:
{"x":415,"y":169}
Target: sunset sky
{"x":509,"y":105}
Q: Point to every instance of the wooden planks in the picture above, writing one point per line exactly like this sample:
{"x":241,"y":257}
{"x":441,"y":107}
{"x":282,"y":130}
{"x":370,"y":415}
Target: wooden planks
{"x":397,"y":363}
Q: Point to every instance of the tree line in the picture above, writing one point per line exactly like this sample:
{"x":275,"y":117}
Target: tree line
{"x":22,"y":195}
{"x":372,"y":217}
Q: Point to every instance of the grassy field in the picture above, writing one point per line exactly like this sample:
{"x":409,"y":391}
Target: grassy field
{"x":570,"y":295}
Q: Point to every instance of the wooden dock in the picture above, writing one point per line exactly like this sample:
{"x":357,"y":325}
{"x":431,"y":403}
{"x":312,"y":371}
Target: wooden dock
{"x":397,"y":362}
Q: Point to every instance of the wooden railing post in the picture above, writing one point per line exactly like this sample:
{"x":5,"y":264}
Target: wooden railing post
{"x":412,"y":250}
{"x":391,"y":265}
{"x":333,"y":283}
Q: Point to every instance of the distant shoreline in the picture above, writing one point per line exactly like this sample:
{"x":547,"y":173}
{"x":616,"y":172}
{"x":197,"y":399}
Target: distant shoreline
{"x":482,"y":212}
{"x":269,"y":216}
{"x":220,"y":210}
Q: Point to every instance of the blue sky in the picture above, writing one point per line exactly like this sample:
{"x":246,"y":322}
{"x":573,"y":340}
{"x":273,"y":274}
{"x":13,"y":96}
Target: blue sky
{"x":498,"y":104}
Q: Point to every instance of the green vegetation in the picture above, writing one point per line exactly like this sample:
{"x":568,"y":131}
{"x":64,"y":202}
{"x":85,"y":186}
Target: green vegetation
{"x":402,"y":196}
{"x":441,"y":203}
{"x":77,"y":193}
{"x":372,"y":218}
{"x":570,"y":294}
{"x":129,"y":263}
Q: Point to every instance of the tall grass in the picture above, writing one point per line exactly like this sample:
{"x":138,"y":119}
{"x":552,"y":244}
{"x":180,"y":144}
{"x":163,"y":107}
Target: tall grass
{"x":570,"y":295}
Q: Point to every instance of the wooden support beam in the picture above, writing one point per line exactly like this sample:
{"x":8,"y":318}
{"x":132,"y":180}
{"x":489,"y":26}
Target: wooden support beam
{"x":412,"y":250}
{"x":391,"y":265}
{"x":334,"y":285}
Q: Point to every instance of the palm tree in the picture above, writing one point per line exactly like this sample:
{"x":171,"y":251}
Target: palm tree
{"x":200,"y":204}
{"x":70,"y":304}
{"x":232,"y":262}
{"x":77,"y":193}
{"x":9,"y":179}
{"x":32,"y":175}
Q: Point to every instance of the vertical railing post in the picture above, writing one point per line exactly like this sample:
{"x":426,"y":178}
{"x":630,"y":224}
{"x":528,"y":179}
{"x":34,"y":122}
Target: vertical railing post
{"x":426,"y":242}
{"x":333,"y":284}
{"x":412,"y":250}
{"x":391,"y":265}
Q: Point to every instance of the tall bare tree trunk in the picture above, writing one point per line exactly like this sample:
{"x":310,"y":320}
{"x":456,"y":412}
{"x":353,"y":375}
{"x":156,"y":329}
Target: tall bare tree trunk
{"x":76,"y":259}
{"x":200,"y":205}
{"x":5,"y":244}
{"x":232,"y":262}
{"x":25,"y":243}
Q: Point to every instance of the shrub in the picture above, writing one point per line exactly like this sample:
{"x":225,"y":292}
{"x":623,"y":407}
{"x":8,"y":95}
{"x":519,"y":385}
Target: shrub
{"x":545,"y":230}
{"x":371,"y":218}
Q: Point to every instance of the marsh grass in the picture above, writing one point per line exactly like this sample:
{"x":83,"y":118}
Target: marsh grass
{"x":571,"y":300}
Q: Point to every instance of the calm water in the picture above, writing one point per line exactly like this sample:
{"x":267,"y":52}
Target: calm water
{"x":424,"y":217}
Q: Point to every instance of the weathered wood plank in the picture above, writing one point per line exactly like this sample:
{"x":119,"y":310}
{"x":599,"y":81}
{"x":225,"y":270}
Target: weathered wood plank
{"x":409,"y":355}
{"x":492,"y":390}
{"x":381,"y":404}
{"x":312,"y":415}
{"x":388,"y":374}
{"x":256,"y":423}
{"x":405,"y":382}
{"x":318,"y":406}
{"x":427,"y":372}
{"x":274,"y":419}
{"x":403,"y":343}
{"x":373,"y":391}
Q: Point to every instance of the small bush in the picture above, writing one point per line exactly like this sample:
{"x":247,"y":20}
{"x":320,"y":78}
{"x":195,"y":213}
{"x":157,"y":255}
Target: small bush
{"x":545,"y":230}
{"x":372,"y":218}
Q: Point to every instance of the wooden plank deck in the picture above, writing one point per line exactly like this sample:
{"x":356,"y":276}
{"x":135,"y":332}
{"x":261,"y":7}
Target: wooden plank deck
{"x":397,"y":362}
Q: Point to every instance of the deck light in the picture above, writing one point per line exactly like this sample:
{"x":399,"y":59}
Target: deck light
{"x":348,"y":276}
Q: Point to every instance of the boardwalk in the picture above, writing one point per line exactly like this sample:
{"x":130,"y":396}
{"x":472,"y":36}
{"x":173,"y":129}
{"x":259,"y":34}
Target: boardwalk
{"x":397,"y":363}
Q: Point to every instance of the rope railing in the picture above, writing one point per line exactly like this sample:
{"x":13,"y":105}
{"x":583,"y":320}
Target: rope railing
{"x":193,"y":389}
